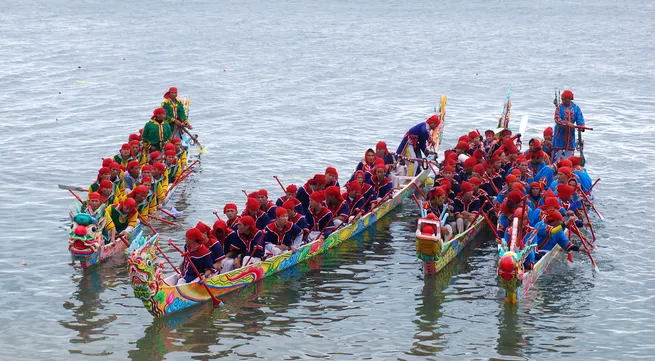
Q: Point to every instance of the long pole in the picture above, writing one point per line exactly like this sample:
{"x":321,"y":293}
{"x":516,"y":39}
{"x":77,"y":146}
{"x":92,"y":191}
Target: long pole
{"x":215,"y":300}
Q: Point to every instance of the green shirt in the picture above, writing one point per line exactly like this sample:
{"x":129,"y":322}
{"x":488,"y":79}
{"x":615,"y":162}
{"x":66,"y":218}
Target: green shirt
{"x":174,"y":110}
{"x":157,"y":134}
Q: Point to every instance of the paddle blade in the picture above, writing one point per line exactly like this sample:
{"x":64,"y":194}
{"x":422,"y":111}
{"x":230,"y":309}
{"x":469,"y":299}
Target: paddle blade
{"x":203,"y":151}
{"x":524,"y":124}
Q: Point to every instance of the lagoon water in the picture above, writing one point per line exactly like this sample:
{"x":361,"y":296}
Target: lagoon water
{"x":288,"y":88}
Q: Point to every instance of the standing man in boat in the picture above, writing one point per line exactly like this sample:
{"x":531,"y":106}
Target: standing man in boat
{"x":417,"y":137}
{"x":568,"y":116}
{"x":175,"y":114}
{"x":157,"y":132}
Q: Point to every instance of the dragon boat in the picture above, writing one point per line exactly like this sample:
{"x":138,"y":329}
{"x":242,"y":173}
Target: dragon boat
{"x":87,"y":241}
{"x":161,"y":296}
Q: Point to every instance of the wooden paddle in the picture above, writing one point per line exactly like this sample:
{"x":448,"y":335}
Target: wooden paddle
{"x":280,"y":183}
{"x":202,"y":149}
{"x":584,"y":244}
{"x":215,"y":300}
{"x":72,"y":188}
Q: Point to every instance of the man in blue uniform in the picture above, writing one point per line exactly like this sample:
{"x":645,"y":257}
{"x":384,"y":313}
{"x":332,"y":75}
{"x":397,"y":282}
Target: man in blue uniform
{"x":567,"y":116}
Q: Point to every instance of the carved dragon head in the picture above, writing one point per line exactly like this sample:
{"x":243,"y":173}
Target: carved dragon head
{"x":85,"y":236}
{"x":145,"y":272}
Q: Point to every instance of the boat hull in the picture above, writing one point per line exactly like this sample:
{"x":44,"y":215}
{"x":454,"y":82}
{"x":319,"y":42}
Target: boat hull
{"x":161,"y":298}
{"x":517,"y":288}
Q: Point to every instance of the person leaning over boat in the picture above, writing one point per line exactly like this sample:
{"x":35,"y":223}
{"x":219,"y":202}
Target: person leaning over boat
{"x":157,"y":131}
{"x":240,"y":244}
{"x":175,"y":114}
{"x":417,"y":138}
{"x":121,"y":220}
{"x":281,"y":235}
{"x":550,"y":232}
{"x":201,"y":257}
{"x":567,"y":116}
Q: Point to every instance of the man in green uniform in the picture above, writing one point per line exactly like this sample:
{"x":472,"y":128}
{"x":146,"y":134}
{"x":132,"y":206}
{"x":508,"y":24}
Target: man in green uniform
{"x":175,"y":114}
{"x":157,"y":131}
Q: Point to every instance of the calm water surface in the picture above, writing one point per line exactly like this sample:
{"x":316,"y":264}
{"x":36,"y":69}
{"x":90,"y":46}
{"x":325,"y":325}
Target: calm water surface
{"x":288,"y":88}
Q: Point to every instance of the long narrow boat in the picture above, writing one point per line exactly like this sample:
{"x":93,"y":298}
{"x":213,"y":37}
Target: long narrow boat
{"x":161,"y":295}
{"x":86,"y":242}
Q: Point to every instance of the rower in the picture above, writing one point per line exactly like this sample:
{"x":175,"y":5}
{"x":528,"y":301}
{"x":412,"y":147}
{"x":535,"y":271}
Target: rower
{"x":417,"y":137}
{"x":467,"y":170}
{"x":490,"y":143}
{"x":542,"y":172}
{"x":367,"y":188}
{"x":510,"y":180}
{"x":318,"y":218}
{"x":282,"y":235}
{"x":368,"y":163}
{"x":173,"y":168}
{"x":241,"y":244}
{"x":95,"y":204}
{"x":381,"y":152}
{"x":181,"y":153}
{"x":507,"y":209}
{"x":447,"y":173}
{"x":160,"y":180}
{"x":116,"y":178}
{"x":290,"y":195}
{"x":144,"y":205}
{"x":295,"y":217}
{"x":123,"y":158}
{"x":154,"y":157}
{"x":549,"y":233}
{"x":265,"y":204}
{"x":103,"y":174}
{"x":336,"y":205}
{"x":354,"y":198}
{"x":381,"y":183}
{"x":563,"y":176}
{"x":212,"y":243}
{"x":314,"y":184}
{"x":137,"y":151}
{"x":547,"y":144}
{"x":481,"y":194}
{"x":231,"y":211}
{"x":106,"y":191}
{"x":567,"y":116}
{"x":331,"y":177}
{"x":199,"y":255}
{"x":475,"y":142}
{"x":535,"y":195}
{"x":465,"y":206}
{"x":253,"y":210}
{"x":121,"y":220}
{"x":220,"y":232}
{"x":438,"y":206}
{"x":175,"y":114}
{"x":132,"y":176}
{"x":157,"y":132}
{"x":155,"y":188}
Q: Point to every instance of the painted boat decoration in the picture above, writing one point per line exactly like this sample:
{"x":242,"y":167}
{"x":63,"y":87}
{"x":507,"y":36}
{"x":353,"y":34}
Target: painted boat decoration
{"x":86,"y":242}
{"x":161,"y":296}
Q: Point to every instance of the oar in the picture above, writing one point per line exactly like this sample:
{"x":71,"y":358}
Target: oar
{"x":215,"y":300}
{"x":122,"y":238}
{"x":592,"y":186}
{"x":202,"y":149}
{"x":584,"y":195}
{"x":143,"y":220}
{"x":522,"y":127}
{"x":419,"y":190}
{"x":584,"y":244}
{"x":217,"y":216}
{"x":280,"y":183}
{"x":80,"y":200}
{"x":164,"y":221}
{"x":252,"y":253}
{"x":244,"y":192}
{"x":492,"y":227}
{"x":581,"y":148}
{"x":74,"y":188}
{"x":167,"y":212}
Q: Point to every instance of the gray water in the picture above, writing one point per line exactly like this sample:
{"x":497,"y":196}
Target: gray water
{"x":288,"y":88}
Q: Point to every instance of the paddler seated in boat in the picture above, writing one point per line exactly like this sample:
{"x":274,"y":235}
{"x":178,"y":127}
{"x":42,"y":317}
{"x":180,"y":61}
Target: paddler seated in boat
{"x":382,"y":152}
{"x":132,"y":176}
{"x":295,"y":217}
{"x":550,"y":233}
{"x":480,"y":172}
{"x":160,"y":181}
{"x":155,"y":187}
{"x":180,"y":152}
{"x":137,"y":152}
{"x":154,"y":157}
{"x":157,"y":131}
{"x":121,"y":220}
{"x":175,"y":114}
{"x":317,"y":183}
{"x":103,"y":174}
{"x":480,"y":194}
{"x":231,"y":211}
{"x":571,"y":207}
{"x":535,"y":195}
{"x":172,"y":166}
{"x":290,"y":195}
{"x":367,"y":189}
{"x":581,"y":173}
{"x":353,"y":197}
{"x":241,"y":244}
{"x":506,"y":213}
{"x":106,"y":192}
{"x":417,"y":137}
{"x":447,"y":173}
{"x":437,"y":205}
{"x":542,"y":172}
{"x":475,"y":142}
{"x":123,"y":157}
{"x":212,"y":243}
{"x":490,"y":143}
{"x":461,"y":148}
{"x":547,"y":143}
{"x":563,"y":176}
{"x":220,"y":231}
{"x":201,"y":257}
{"x":331,"y":177}
{"x":116,"y":177}
{"x":465,"y":206}
{"x":467,"y":170}
{"x":151,"y":198}
{"x":368,"y":163}
{"x":95,"y":204}
{"x":319,"y":218}
{"x":381,"y":184}
{"x":510,"y":180}
{"x":567,"y":116}
{"x":336,"y":205}
{"x":253,"y":210}
{"x":282,"y":235}
{"x":265,"y":204}
{"x":525,"y":176}
{"x":144,"y":205}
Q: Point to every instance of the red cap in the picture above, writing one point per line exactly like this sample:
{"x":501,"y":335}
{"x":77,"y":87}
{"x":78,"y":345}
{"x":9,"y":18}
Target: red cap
{"x":567,"y":94}
{"x":522,"y":160}
{"x":167,"y":95}
{"x":125,"y":146}
{"x":510,"y":147}
{"x":510,"y":178}
{"x":219,"y":224}
{"x":134,"y":137}
{"x":203,"y":227}
{"x":146,"y":168}
{"x":248,"y":221}
{"x":536,"y":185}
{"x":170,"y":153}
{"x":433,"y":120}
{"x":382,"y":145}
{"x":292,"y":188}
{"x":464,"y":138}
{"x":154,"y":155}
{"x":565,"y":191}
{"x":575,"y":161}
{"x":128,"y":202}
{"x":564,"y":163}
{"x":105,"y":183}
{"x":477,"y":154}
{"x":288,"y":205}
{"x":548,"y":131}
{"x":489,"y":131}
{"x":448,"y":169}
{"x":134,"y":142}
{"x":478,"y":168}
{"x":159,"y":166}
{"x":549,"y":193}
{"x":252,"y":204}
{"x":229,"y":206}
{"x":462,"y":145}
{"x":331,"y":170}
{"x":495,"y":159}
{"x":280,"y":211}
{"x":487,"y":166}
{"x":104,"y":170}
{"x":262,"y":193}
{"x":550,"y":202}
{"x":115,"y":165}
{"x":140,"y":189}
{"x":146,"y":180}
{"x":474,"y":134}
{"x":194,"y":234}
{"x":319,"y":179}
{"x":354,"y":186}
{"x":176,"y":141}
{"x":515,"y":196}
{"x":470,"y":162}
{"x":553,"y":216}
{"x":539,"y":154}
{"x":436,"y":192}
{"x":132,"y":164}
{"x":333,"y":191}
{"x":466,"y":187}
{"x":169,"y":146}
{"x":475,"y":181}
{"x":318,"y":196}
{"x":157,"y":112}
{"x":95,"y":195}
{"x":518,"y":187}
{"x":516,"y":172}
{"x":565,"y":170}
